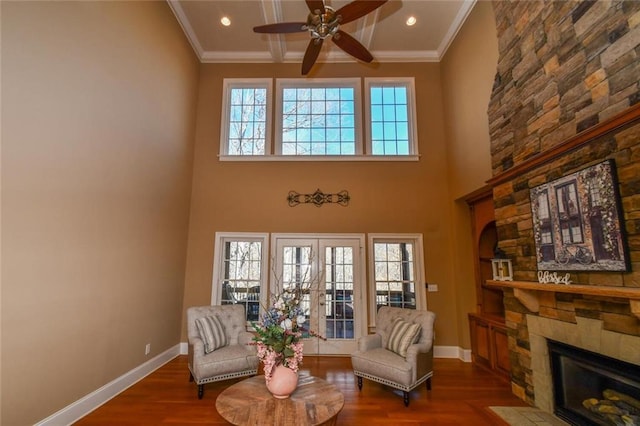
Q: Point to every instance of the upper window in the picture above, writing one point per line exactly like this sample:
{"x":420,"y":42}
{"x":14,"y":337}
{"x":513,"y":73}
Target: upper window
{"x":246,"y":114}
{"x":391,"y":116}
{"x":319,"y":119}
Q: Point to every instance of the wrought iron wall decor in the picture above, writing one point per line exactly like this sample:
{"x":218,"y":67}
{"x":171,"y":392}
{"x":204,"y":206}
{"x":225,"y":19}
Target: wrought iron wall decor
{"x":318,"y":198}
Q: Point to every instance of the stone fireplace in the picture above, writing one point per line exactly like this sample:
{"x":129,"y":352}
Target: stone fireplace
{"x":566,"y":96}
{"x":590,"y":387}
{"x":595,"y":318}
{"x":587,"y":334}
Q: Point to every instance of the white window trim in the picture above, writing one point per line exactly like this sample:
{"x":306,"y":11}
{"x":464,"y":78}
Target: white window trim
{"x":287,"y":158}
{"x":218,"y":270}
{"x":362,"y":120}
{"x":353,"y":83}
{"x":234,"y":83}
{"x":409,"y":83}
{"x":416,"y":240}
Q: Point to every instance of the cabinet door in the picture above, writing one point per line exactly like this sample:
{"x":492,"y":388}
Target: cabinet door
{"x":501,"y":347}
{"x":480,"y":341}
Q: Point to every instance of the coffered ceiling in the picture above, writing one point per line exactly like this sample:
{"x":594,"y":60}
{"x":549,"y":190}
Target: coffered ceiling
{"x":384,"y":32}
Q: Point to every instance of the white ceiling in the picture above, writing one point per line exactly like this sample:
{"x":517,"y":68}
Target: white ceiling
{"x":383,"y":31}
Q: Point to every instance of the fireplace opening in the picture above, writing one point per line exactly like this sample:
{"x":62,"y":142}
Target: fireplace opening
{"x":592,"y":389}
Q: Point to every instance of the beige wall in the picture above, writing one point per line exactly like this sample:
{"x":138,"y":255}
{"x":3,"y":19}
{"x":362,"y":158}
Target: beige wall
{"x":0,"y":221}
{"x":98,"y":110}
{"x":395,"y":197}
{"x":98,"y":122}
{"x":468,"y":70}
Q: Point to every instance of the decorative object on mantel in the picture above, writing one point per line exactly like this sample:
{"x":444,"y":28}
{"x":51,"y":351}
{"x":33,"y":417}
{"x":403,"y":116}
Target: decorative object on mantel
{"x":577,"y":222}
{"x":546,"y":277}
{"x":318,"y":198}
{"x":501,"y":266}
{"x":502,"y":269}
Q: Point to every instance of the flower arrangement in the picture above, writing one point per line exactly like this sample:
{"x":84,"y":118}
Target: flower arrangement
{"x":280,"y":331}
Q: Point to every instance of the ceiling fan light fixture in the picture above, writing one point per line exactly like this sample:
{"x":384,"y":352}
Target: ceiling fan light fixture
{"x":323,"y":22}
{"x":323,"y":25}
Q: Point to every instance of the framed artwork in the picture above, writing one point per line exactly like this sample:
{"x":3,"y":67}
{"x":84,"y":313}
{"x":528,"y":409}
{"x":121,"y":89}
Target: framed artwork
{"x":577,"y":222}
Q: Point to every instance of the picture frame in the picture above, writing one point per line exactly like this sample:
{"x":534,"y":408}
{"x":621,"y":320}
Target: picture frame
{"x":577,"y":222}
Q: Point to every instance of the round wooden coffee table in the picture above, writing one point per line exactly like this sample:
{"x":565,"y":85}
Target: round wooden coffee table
{"x":314,"y":402}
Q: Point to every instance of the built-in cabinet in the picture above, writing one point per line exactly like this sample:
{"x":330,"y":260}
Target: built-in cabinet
{"x":489,"y":342}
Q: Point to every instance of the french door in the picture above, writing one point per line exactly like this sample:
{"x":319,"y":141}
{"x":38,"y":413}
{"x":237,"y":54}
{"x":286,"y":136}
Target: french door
{"x":329,"y":269}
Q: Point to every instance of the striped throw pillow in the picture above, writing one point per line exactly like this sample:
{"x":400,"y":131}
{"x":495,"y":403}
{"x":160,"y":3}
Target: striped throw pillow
{"x":403,"y":334}
{"x":212,"y":333}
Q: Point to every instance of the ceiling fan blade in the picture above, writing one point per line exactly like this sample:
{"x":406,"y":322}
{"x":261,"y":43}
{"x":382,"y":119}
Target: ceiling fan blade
{"x":352,"y":46}
{"x":310,"y":56}
{"x":282,"y":27}
{"x":315,"y":5}
{"x":357,"y":9}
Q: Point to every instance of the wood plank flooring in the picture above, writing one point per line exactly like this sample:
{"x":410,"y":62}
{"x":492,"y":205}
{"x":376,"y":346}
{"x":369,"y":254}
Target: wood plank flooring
{"x":460,"y":395}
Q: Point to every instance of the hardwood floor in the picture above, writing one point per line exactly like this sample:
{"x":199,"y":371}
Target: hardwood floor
{"x":460,"y":395}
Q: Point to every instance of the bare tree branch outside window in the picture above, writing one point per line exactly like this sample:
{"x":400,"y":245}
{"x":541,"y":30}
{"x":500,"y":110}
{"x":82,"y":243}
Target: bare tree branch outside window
{"x":318,"y":121}
{"x":247,"y":121}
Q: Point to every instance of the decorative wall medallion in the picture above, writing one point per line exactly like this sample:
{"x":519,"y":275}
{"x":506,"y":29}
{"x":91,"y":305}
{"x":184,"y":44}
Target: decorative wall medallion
{"x":318,"y":198}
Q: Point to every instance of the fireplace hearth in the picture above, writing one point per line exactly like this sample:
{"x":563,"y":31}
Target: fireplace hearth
{"x":593,"y":389}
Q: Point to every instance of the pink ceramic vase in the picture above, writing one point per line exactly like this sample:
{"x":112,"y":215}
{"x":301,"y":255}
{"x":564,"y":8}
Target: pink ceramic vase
{"x":283,"y":382}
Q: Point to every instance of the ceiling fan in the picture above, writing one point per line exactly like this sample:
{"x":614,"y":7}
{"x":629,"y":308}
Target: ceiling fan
{"x":323,"y":22}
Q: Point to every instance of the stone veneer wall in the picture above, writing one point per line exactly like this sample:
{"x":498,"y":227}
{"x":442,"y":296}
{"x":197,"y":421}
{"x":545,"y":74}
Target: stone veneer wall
{"x":564,"y":67}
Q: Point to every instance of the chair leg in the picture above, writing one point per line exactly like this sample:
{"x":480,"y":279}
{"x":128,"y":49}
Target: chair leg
{"x":200,"y":391}
{"x":406,"y":398}
{"x":359,"y":383}
{"x":429,"y":383}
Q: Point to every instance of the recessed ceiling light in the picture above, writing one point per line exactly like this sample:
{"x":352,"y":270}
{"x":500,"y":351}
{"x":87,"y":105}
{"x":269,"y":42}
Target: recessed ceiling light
{"x":225,"y":21}
{"x":411,"y":21}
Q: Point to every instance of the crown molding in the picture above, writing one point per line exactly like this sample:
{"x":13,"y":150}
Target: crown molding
{"x":177,"y":10}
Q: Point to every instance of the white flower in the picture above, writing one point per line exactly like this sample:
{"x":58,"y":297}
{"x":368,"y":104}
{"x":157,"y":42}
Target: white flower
{"x":286,"y":324}
{"x":300,"y":319}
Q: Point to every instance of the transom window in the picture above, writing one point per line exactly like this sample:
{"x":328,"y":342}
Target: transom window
{"x":391,"y":124}
{"x":246,"y":128}
{"x":319,"y":119}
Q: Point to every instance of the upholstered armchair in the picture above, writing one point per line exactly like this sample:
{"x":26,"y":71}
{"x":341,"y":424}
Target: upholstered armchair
{"x":219,"y":345}
{"x":400,"y":353}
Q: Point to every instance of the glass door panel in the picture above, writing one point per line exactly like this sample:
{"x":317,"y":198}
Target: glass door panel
{"x":328,"y":269}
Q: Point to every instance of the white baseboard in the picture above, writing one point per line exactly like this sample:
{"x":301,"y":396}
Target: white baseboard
{"x":452,"y":352}
{"x":465,"y":355}
{"x":95,"y":399}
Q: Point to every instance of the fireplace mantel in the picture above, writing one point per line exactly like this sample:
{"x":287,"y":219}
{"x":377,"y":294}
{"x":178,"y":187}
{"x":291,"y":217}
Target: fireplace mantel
{"x":527,"y":292}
